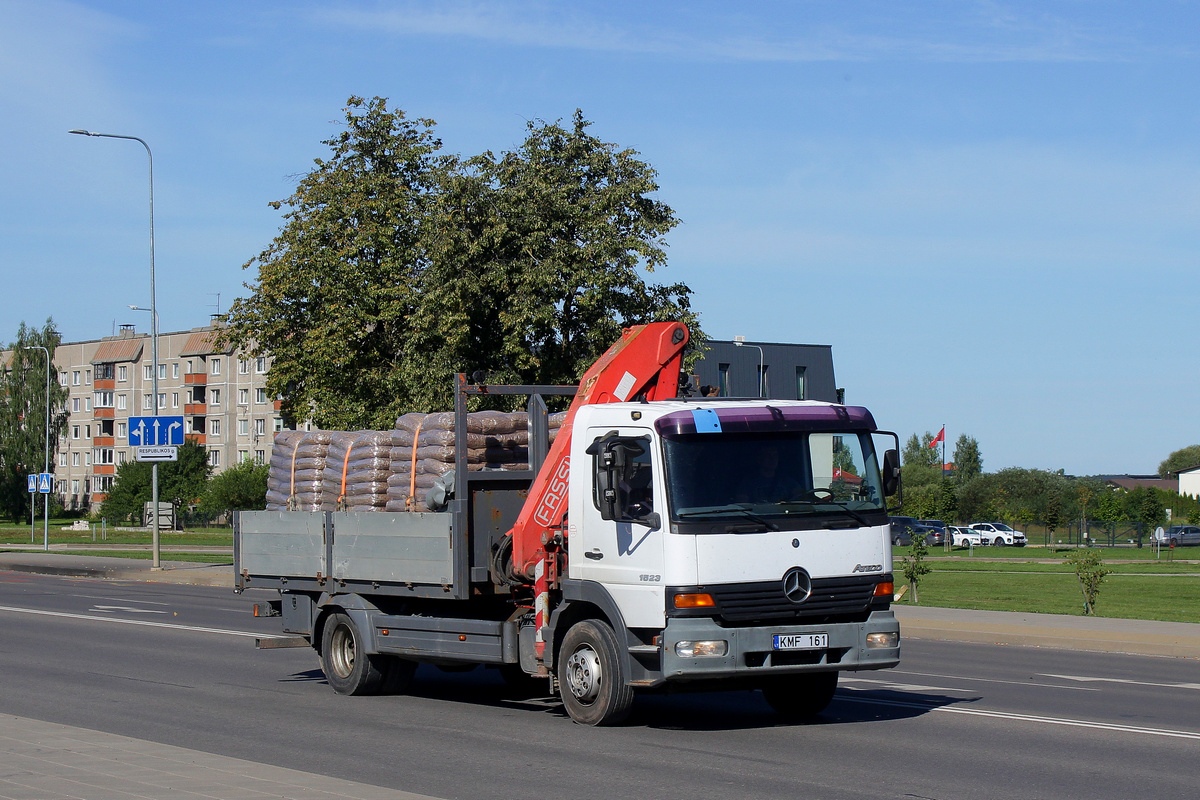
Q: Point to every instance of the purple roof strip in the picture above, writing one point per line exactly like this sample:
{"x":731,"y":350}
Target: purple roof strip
{"x":774,"y":418}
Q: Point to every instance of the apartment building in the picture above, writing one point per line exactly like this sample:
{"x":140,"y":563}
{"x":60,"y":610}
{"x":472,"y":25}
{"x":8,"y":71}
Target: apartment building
{"x":220,"y":393}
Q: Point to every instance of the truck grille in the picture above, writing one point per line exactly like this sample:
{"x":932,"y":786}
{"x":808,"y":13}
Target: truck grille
{"x":849,"y":597}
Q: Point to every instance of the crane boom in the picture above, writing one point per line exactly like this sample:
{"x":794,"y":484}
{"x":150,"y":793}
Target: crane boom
{"x":643,"y":363}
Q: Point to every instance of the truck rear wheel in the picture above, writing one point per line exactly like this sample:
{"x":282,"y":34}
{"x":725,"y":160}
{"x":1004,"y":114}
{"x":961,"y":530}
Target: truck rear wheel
{"x":591,"y":677}
{"x":344,"y":661}
{"x":800,"y":696}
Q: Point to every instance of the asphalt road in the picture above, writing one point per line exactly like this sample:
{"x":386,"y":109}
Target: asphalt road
{"x":177,"y":665}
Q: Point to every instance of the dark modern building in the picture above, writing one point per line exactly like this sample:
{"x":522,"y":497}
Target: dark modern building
{"x":788,"y":371}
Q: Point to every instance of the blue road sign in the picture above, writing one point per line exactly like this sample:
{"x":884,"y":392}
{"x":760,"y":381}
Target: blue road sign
{"x":45,"y":482}
{"x":152,"y":431}
{"x":33,"y":476}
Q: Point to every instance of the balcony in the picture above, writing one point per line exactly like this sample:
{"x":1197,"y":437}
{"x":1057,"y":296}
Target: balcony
{"x":278,"y":405}
{"x":105,"y":469}
{"x":194,"y":438}
{"x":195,"y":378}
{"x":99,"y":497}
{"x":107,"y":383}
{"x":195,"y":409}
{"x":103,"y":413}
{"x":103,"y":441}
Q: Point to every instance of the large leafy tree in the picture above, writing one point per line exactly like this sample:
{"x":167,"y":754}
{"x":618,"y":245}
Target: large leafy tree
{"x":967,"y":461}
{"x":1184,"y":458}
{"x":399,"y":264}
{"x":242,"y":486}
{"x":921,"y":462}
{"x":23,"y":448}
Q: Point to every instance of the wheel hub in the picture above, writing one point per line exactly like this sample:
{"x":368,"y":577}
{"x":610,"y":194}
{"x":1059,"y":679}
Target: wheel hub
{"x":342,"y":652}
{"x":584,"y":674}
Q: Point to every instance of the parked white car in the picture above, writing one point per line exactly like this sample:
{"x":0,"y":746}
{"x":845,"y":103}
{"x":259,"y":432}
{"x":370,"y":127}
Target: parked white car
{"x":964,"y":537}
{"x":998,"y":534}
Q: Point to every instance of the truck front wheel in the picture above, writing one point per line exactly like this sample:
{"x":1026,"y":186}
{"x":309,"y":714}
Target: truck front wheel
{"x":344,"y":661}
{"x":591,"y":677}
{"x":799,"y":696}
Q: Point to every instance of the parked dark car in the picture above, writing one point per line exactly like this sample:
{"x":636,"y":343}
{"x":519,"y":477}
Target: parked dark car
{"x":1181,"y":535}
{"x":903,"y":529}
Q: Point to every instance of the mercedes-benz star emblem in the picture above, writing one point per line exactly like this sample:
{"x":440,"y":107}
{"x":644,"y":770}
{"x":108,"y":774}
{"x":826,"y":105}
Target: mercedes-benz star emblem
{"x":797,"y":584}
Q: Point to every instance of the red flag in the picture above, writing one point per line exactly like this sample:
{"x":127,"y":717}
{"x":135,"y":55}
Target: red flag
{"x":941,"y":437}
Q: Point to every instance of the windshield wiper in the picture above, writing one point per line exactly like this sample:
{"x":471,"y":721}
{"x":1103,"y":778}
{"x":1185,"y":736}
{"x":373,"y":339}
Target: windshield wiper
{"x":857,"y":517}
{"x":745,"y":513}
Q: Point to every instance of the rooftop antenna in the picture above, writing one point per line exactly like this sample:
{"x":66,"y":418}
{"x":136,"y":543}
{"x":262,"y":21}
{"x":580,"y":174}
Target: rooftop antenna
{"x":218,"y":303}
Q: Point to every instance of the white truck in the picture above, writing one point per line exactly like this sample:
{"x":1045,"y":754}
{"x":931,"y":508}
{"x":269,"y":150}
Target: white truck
{"x":662,"y":543}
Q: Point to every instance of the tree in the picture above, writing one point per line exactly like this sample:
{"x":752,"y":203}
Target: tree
{"x":241,"y":487}
{"x":23,"y":416}
{"x":1183,"y":458}
{"x":914,"y":565}
{"x":1090,"y":572}
{"x":183,"y":481}
{"x":967,"y":461}
{"x":399,"y":265}
{"x":921,"y":463}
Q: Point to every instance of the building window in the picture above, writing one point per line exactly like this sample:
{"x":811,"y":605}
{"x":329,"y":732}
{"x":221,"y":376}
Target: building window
{"x":87,"y":459}
{"x":162,"y":372}
{"x":216,"y":366}
{"x":214,"y":458}
{"x":243,"y":397}
{"x":103,"y":455}
{"x":122,"y":373}
{"x":121,"y":456}
{"x":174,"y":399}
{"x":162,"y":400}
{"x":75,"y":378}
{"x":243,"y":455}
{"x":75,"y":459}
{"x":87,"y":431}
{"x":243,"y":427}
{"x":214,"y":397}
{"x":147,"y":372}
{"x":62,"y":379}
{"x":175,"y":370}
{"x":62,"y":459}
{"x":122,"y":401}
{"x":278,"y":424}
{"x":260,"y":456}
{"x":148,"y":402}
{"x":723,"y":379}
{"x":87,"y":377}
{"x":75,"y":405}
{"x":214,"y":427}
{"x":243,"y":367}
{"x":260,"y":427}
{"x":87,"y":404}
{"x":74,"y":487}
{"x":104,"y":399}
{"x":260,"y":364}
{"x":122,"y":430}
{"x":800,"y":387}
{"x":260,"y":395}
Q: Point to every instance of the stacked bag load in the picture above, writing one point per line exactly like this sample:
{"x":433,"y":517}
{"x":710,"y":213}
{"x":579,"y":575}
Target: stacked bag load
{"x":356,"y":471}
{"x":297,"y":470}
{"x":423,"y":451}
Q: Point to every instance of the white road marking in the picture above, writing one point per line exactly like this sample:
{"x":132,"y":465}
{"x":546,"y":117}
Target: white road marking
{"x":1089,"y":679}
{"x":119,"y":599}
{"x":1074,"y":723}
{"x":997,"y":680}
{"x":141,"y":622}
{"x":131,"y":609}
{"x":906,"y":687}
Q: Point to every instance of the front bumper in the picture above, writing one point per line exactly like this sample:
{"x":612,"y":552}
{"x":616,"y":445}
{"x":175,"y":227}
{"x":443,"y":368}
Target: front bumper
{"x":751,"y":651}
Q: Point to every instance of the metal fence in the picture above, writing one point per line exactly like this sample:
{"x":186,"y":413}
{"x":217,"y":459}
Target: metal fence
{"x":1092,"y":533}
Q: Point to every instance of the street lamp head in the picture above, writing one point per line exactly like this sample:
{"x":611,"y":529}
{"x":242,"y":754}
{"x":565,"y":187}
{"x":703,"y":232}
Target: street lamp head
{"x":81,"y":132}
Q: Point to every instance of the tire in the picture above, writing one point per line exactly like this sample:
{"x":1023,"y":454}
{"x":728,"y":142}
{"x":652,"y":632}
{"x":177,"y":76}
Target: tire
{"x":999,"y":541}
{"x":591,"y":675}
{"x":347,"y":667}
{"x":1174,"y":543}
{"x":397,"y":674}
{"x":800,"y":696}
{"x":895,"y":541}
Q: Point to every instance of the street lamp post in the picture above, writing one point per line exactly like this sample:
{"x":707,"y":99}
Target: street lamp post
{"x":740,"y":341}
{"x":46,"y":523}
{"x":154,"y":333}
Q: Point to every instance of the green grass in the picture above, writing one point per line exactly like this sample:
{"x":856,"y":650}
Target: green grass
{"x":1171,"y":599}
{"x":1060,"y":566}
{"x":1019,"y":553}
{"x":219,"y":538}
{"x":202,"y":558}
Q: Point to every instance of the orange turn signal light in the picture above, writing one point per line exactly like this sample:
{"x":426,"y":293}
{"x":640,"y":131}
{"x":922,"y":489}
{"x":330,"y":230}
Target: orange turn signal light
{"x":694,"y":601}
{"x":886,"y":589}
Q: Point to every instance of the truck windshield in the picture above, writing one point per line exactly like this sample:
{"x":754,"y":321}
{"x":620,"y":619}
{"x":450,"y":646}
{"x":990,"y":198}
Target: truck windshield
{"x":777,"y":480}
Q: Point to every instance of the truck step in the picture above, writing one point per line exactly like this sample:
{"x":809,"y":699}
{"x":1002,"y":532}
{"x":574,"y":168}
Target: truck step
{"x":275,"y":642}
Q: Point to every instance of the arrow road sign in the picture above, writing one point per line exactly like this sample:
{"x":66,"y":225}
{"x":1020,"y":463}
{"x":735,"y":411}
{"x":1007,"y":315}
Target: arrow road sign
{"x":155,"y":431}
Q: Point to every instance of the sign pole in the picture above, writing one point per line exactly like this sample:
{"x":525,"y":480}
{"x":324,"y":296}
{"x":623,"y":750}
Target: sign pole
{"x":32,"y":509}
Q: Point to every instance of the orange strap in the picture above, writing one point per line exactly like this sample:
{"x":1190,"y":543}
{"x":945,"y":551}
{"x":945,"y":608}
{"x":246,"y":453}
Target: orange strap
{"x":412,"y":472}
{"x":292,"y":489}
{"x":345,"y":463}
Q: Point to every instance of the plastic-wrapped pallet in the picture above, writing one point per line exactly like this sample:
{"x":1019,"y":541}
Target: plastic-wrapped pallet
{"x":357,"y":470}
{"x":297,"y":470}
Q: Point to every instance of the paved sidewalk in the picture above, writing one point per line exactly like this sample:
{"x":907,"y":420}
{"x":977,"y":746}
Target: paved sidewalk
{"x":114,"y":568}
{"x":47,"y":761}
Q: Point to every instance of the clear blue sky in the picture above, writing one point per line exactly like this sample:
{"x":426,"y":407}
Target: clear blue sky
{"x":991,"y":210}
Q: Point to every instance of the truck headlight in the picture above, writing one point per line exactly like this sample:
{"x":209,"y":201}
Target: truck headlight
{"x":702,"y":648}
{"x":883,"y":640}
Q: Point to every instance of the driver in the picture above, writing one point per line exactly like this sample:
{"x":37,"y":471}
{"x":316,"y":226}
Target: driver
{"x":769,"y":480}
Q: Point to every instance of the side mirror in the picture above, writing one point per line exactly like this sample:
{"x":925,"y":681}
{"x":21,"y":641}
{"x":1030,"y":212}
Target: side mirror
{"x":891,"y":472}
{"x":615,"y":465}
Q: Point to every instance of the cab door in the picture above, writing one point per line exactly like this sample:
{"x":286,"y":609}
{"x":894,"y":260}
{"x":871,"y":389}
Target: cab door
{"x":625,"y":554}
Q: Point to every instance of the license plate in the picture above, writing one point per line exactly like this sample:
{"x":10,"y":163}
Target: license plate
{"x":801,"y":641}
